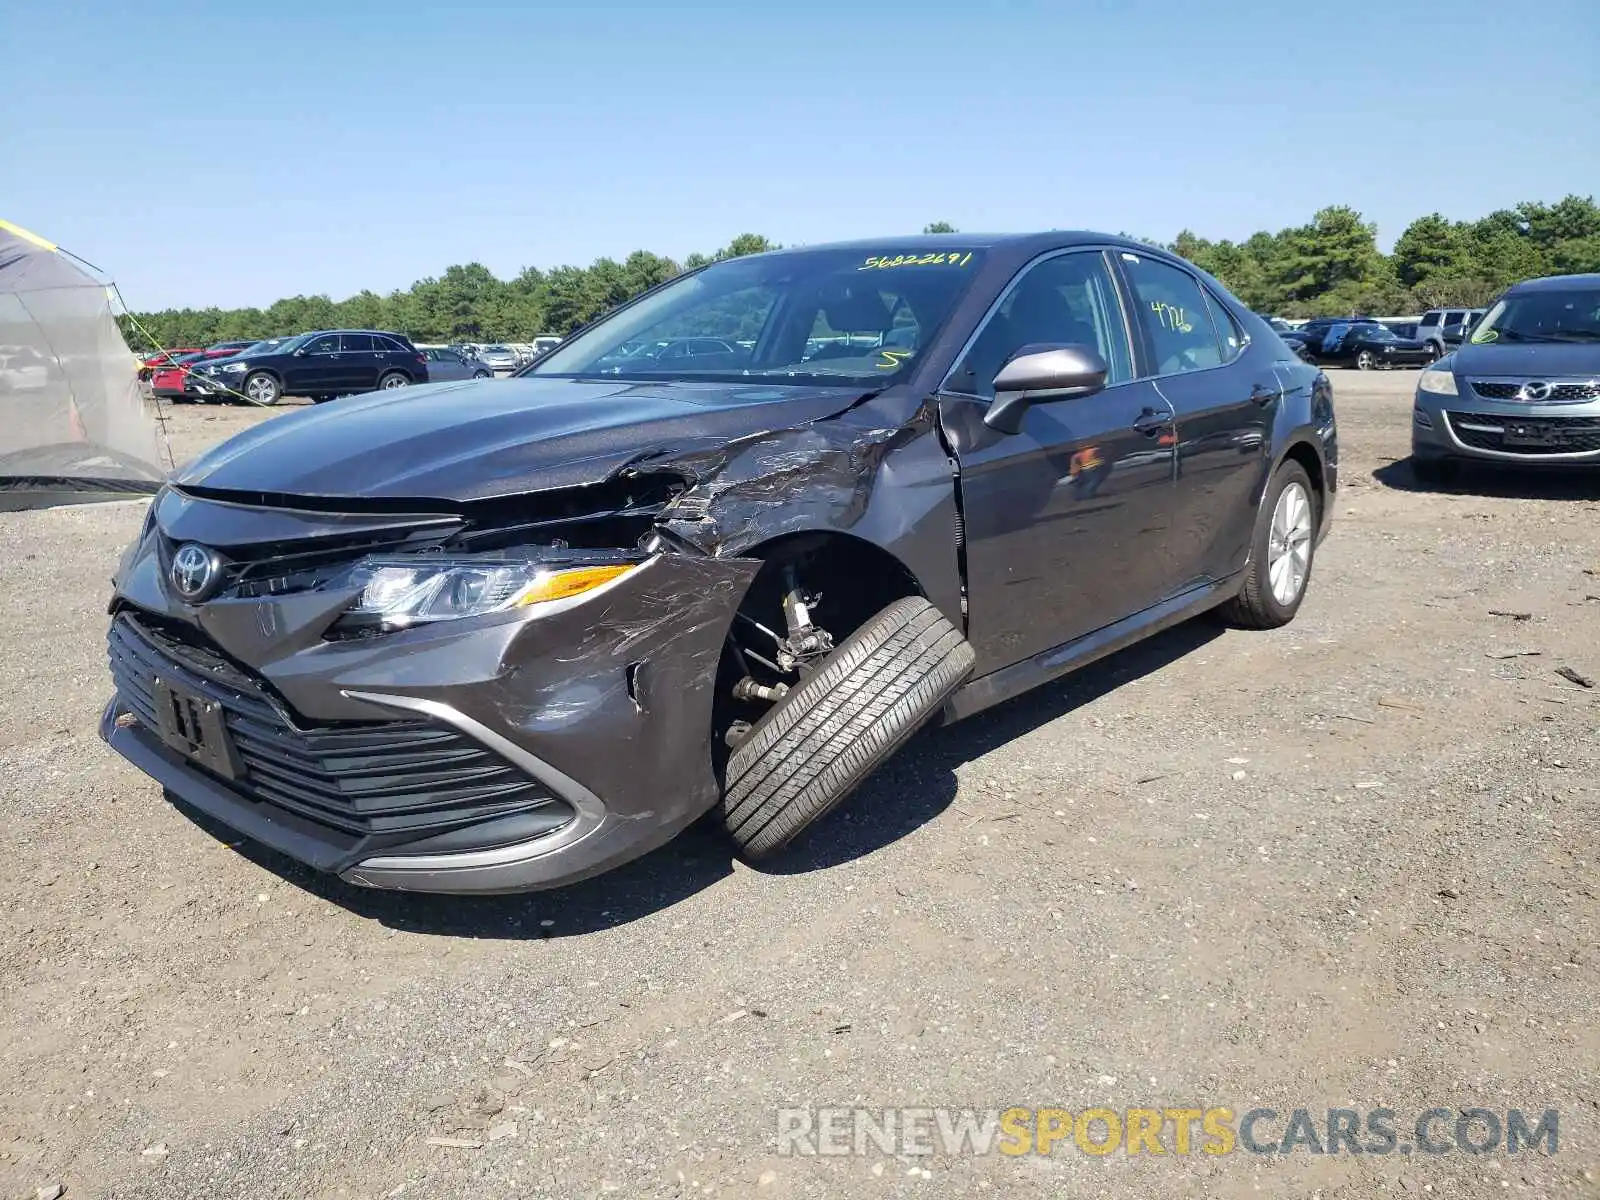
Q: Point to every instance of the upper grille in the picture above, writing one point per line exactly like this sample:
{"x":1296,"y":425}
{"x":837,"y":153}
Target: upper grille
{"x":390,"y":781}
{"x":1500,"y":389}
{"x":1531,"y":436}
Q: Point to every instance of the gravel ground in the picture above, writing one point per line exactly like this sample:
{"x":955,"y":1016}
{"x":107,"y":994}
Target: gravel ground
{"x":1350,"y":863}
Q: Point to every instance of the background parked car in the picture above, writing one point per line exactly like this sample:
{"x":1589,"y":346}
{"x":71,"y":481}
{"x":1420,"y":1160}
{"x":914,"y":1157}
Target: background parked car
{"x":160,"y":358}
{"x":319,"y":365}
{"x":445,"y":364}
{"x":500,"y":357}
{"x":1524,"y":388}
{"x":1458,"y":331}
{"x":1368,"y":346}
{"x":1436,"y":320}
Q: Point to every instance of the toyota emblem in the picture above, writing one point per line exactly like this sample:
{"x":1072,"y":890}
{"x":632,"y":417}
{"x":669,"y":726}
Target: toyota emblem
{"x":195,"y":572}
{"x":1536,"y":389}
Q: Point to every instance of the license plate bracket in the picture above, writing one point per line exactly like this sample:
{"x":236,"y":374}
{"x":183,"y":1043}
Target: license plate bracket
{"x":1532,"y":435}
{"x":193,"y":725}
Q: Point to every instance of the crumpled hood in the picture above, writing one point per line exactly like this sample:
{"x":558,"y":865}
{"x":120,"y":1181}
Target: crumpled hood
{"x":488,"y":438}
{"x":1533,"y":360}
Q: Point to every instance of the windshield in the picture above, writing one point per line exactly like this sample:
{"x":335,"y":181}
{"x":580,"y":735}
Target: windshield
{"x":1556,"y":316}
{"x":286,"y":346}
{"x":830,"y":316}
{"x":271,"y":344}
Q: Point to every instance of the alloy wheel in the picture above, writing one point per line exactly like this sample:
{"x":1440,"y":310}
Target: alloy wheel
{"x":1289,"y":545}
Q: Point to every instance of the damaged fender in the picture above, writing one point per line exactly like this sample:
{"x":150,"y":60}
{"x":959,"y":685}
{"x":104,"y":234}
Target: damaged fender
{"x":828,"y":477}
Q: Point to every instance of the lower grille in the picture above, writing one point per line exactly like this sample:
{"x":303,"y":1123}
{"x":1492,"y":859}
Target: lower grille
{"x":1530,"y":436}
{"x":1494,"y":389}
{"x":383,"y":781}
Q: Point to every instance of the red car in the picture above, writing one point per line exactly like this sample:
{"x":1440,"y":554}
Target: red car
{"x":161,"y":358}
{"x":166,"y":378}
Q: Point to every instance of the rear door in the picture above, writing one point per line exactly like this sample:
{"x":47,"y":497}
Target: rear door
{"x":1067,"y":522}
{"x":1224,"y":398}
{"x":360,"y":362}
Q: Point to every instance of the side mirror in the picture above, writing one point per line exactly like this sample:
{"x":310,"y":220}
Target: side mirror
{"x":1038,"y":374}
{"x":300,"y":353}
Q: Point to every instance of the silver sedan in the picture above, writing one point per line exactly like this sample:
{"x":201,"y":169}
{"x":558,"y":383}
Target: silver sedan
{"x":501,"y":358}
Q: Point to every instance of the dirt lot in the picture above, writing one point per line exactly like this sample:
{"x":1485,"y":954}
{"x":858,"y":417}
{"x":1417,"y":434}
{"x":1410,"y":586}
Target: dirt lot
{"x":1351,"y":863}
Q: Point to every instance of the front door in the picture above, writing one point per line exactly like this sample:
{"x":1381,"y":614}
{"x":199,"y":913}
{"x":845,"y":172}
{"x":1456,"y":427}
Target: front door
{"x":1225,"y":396}
{"x":315,"y":369}
{"x":1067,"y":521}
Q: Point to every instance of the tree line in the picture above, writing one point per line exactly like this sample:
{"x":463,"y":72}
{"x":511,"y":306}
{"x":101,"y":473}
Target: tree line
{"x":1331,"y":266}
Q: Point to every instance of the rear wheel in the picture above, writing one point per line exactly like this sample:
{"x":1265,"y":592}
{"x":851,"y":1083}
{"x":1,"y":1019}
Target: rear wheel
{"x":1281,"y":551}
{"x":261,"y":388}
{"x":843,"y":721}
{"x":481,"y":375}
{"x":393,"y":379}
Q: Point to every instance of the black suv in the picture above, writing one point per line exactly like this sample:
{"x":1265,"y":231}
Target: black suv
{"x":496,"y":635}
{"x":321,"y":365}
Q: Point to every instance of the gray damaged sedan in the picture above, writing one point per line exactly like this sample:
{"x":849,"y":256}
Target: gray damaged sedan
{"x":494,"y":636}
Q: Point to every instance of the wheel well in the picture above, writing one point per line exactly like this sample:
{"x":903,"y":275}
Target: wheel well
{"x":387,"y":371}
{"x":856,"y":579}
{"x":1302,"y":453}
{"x":848,"y":580}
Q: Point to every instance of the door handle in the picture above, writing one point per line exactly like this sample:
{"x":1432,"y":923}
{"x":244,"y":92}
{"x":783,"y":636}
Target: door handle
{"x":1151,"y":422}
{"x":1265,"y":396}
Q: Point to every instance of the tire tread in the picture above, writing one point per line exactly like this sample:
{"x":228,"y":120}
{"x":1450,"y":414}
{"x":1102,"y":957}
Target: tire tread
{"x":836,"y":727}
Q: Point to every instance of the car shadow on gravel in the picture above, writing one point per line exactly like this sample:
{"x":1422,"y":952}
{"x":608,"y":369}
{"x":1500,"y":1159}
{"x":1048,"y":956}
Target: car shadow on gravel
{"x":920,"y":783}
{"x":912,"y":789}
{"x":1503,"y":483}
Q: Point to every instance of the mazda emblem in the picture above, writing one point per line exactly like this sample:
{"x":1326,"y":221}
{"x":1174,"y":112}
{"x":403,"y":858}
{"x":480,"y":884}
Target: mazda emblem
{"x":1536,"y":389}
{"x":195,"y":572}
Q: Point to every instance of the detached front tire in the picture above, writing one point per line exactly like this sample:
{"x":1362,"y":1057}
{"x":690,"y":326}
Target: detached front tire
{"x":1281,"y":550}
{"x":841,"y":723}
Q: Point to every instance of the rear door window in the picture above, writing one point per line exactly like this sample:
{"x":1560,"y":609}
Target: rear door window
{"x":356,"y":343}
{"x":1172,"y":309}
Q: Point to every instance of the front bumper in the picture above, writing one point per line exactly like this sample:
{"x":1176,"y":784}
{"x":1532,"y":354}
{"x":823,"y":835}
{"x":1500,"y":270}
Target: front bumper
{"x":1512,"y":433}
{"x":209,"y":385}
{"x":597,"y":716}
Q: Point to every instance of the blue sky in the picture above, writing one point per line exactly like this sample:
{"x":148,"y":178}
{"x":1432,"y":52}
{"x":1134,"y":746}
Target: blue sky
{"x":207,"y":156}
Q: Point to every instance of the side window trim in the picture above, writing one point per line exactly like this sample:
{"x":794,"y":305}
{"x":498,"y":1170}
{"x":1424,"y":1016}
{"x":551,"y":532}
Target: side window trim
{"x":1220,"y":311}
{"x":1124,"y":310}
{"x":1148,"y":357}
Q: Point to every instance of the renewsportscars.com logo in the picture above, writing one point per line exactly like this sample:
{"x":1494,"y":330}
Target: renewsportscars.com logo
{"x":1216,"y":1130}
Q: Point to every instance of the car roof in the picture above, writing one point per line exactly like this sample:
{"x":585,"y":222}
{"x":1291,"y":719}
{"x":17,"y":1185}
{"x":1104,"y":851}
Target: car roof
{"x":1025,"y":243}
{"x":324,"y":332}
{"x":1554,"y":283}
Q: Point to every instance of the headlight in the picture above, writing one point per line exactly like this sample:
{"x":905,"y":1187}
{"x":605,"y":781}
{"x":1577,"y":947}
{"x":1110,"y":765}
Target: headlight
{"x":1441,"y":383}
{"x":232,"y":367}
{"x":397,"y":592}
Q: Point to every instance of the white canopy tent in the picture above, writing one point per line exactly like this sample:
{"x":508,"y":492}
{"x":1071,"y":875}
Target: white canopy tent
{"x":73,"y":425}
